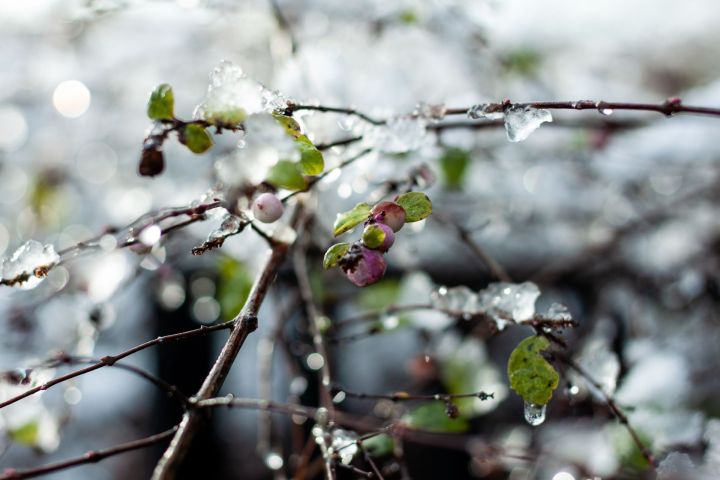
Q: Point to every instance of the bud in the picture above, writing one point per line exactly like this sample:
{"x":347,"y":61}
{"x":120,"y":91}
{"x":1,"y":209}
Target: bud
{"x":389,"y":213}
{"x":267,"y":208}
{"x":151,"y":162}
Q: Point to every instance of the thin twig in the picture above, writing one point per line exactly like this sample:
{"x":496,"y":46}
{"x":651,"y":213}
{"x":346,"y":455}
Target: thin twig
{"x":93,"y":456}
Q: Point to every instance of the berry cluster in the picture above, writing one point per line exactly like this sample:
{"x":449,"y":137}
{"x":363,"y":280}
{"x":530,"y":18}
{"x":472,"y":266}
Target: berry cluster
{"x":363,"y":262}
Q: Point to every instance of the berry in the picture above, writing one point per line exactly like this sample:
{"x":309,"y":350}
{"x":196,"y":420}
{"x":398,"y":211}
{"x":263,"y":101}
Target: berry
{"x":267,"y":208}
{"x":363,"y":266}
{"x":389,"y":213}
{"x":378,"y":236}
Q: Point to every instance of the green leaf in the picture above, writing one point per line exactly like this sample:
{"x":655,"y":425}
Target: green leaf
{"x":432,"y":417}
{"x":27,"y":434}
{"x":161,"y":103}
{"x":234,"y":284}
{"x":227,"y":117}
{"x":379,"y":445}
{"x":454,"y":163}
{"x":348,"y":220}
{"x":531,"y":376}
{"x":417,"y":206}
{"x":196,"y":138}
{"x":334,"y":254}
{"x":311,"y":159}
{"x":373,"y":236}
{"x":286,"y":174}
{"x":379,"y":295}
{"x":291,"y":126}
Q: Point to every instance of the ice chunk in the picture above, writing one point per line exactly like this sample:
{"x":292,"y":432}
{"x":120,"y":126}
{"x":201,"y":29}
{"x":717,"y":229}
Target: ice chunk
{"x":485,"y":111}
{"x":28,"y":264}
{"x":460,"y":299}
{"x":520,"y":122}
{"x":398,"y":135}
{"x":515,"y":300}
{"x":344,"y":443}
{"x":675,"y":466}
{"x":231,"y":96}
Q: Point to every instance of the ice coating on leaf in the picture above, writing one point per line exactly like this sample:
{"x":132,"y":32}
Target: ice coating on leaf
{"x":232,"y":96}
{"x":28,"y":264}
{"x":534,"y":414}
{"x":460,"y":299}
{"x":520,"y":122}
{"x":398,"y":135}
{"x":265,"y":143}
{"x":484,"y":111}
{"x":516,"y":300}
{"x":674,"y":466}
{"x":344,"y":443}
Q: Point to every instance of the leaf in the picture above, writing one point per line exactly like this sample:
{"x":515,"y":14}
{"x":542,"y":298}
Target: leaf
{"x":311,"y":159}
{"x":347,"y":220}
{"x":454,"y":163}
{"x":334,"y":254}
{"x":286,"y":174}
{"x":234,"y":284}
{"x":432,"y":417}
{"x":196,"y":138}
{"x":379,"y":295}
{"x":228,"y":117}
{"x":531,"y":376}
{"x":373,"y":236}
{"x":27,"y":434}
{"x":379,"y":445}
{"x":417,"y":206}
{"x":291,"y":126}
{"x":161,"y":103}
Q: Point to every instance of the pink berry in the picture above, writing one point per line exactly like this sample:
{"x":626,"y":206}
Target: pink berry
{"x":389,"y":213}
{"x":267,"y":208}
{"x":363,"y":266}
{"x":378,"y":236}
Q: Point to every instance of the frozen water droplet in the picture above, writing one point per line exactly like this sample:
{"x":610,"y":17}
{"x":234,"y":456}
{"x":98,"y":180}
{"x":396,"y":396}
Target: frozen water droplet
{"x":485,"y":111}
{"x":31,"y":261}
{"x":559,"y":313}
{"x":460,"y":299}
{"x":230,"y":225}
{"x":344,"y":443}
{"x":398,"y":135}
{"x":274,"y":461}
{"x":534,"y":414}
{"x":520,"y":122}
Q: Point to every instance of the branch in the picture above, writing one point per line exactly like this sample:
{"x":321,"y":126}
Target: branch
{"x":93,"y":456}
{"x":245,"y":323}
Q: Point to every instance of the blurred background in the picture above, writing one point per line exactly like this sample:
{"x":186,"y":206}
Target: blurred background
{"x":614,"y":216}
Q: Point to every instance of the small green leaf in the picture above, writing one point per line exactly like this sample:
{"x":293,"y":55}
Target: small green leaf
{"x":347,"y":220}
{"x":373,"y":236}
{"x":417,"y":206}
{"x":311,"y":159}
{"x":379,"y":295}
{"x":432,"y":417}
{"x":27,"y":434}
{"x":161,"y":103}
{"x":379,"y":445}
{"x":454,"y":163}
{"x":286,"y":174}
{"x":291,"y":126}
{"x":531,"y":376}
{"x":334,"y":254}
{"x":234,"y":284}
{"x":196,"y":138}
{"x":227,"y":117}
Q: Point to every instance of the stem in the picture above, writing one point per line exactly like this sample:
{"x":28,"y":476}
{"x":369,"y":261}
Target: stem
{"x":244,"y":324}
{"x":92,"y":456}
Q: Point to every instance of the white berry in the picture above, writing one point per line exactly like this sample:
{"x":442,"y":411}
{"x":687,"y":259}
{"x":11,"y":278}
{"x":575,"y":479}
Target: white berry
{"x":267,"y":208}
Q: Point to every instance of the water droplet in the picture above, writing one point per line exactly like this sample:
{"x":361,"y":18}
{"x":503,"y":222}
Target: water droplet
{"x":520,"y":122}
{"x":534,"y":414}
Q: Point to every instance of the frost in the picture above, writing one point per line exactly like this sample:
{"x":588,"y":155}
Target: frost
{"x":534,"y":414}
{"x":676,"y":465}
{"x":558,"y":313}
{"x":460,"y":299}
{"x":485,"y":111}
{"x":232,"y":96}
{"x":520,"y":122}
{"x":344,"y":443}
{"x":28,"y":264}
{"x":398,"y":135}
{"x":516,"y":300}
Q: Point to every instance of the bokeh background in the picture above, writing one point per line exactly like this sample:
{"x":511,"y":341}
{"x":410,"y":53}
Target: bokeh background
{"x":614,"y":216}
